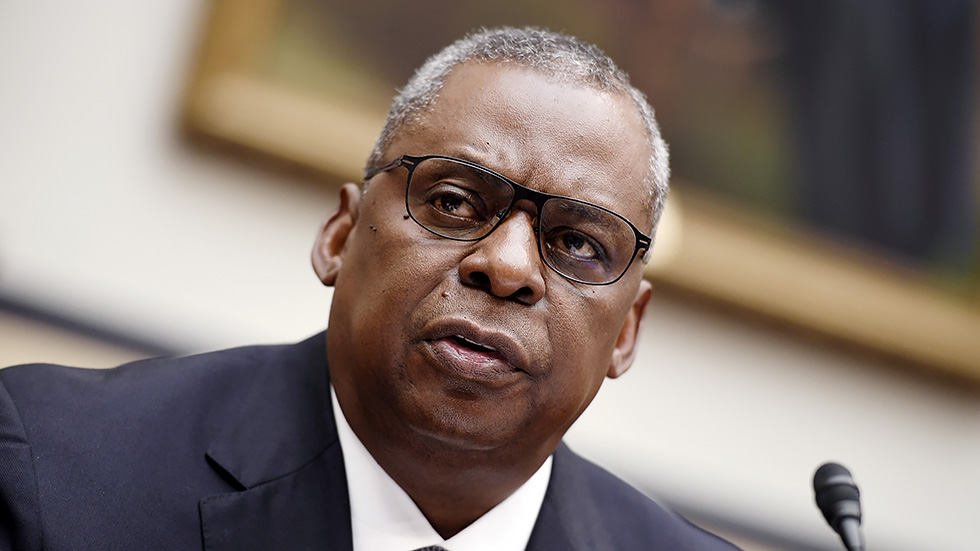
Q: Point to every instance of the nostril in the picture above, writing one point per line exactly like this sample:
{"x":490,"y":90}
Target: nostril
{"x":480,"y":279}
{"x":524,"y":295}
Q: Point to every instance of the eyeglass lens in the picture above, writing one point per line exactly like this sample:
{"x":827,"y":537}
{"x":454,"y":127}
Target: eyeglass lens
{"x":578,"y":240}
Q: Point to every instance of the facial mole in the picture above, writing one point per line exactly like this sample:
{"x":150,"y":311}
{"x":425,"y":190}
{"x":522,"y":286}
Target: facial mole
{"x":405,"y":216}
{"x":373,"y":228}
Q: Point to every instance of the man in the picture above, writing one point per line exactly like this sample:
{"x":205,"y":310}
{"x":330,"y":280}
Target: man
{"x":487,"y":276}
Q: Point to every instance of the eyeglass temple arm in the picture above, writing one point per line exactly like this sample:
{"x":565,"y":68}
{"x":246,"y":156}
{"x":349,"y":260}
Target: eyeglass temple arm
{"x":647,"y":244}
{"x":399,"y":161}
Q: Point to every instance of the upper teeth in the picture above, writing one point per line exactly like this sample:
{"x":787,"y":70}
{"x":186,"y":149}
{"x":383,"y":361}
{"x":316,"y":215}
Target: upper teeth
{"x":473,"y":343}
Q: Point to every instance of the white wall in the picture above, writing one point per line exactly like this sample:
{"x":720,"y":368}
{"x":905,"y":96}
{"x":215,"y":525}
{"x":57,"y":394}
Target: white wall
{"x":104,"y":214}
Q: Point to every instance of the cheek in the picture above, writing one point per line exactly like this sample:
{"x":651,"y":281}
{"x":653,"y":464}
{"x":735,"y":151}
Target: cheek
{"x":395,"y":267}
{"x":585,"y":328}
{"x":385,"y":244}
{"x":582,"y":342}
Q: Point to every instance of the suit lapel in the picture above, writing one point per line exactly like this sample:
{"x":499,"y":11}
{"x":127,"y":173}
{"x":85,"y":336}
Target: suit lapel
{"x":567,"y":518}
{"x":280,"y":451}
{"x":550,"y":531}
{"x":306,"y":509}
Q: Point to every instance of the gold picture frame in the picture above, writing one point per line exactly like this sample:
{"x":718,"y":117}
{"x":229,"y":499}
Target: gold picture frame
{"x":705,"y":248}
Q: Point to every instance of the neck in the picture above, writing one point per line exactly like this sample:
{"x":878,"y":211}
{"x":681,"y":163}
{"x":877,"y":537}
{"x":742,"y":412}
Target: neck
{"x":453,"y":489}
{"x":453,"y":481}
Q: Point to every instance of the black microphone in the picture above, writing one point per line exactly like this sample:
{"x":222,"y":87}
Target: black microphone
{"x":839,"y":500}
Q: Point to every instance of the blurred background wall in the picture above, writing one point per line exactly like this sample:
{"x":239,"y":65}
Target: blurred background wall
{"x":121,"y":238}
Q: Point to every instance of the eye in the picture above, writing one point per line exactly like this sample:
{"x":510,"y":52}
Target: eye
{"x":449,"y":202}
{"x":575,"y":245}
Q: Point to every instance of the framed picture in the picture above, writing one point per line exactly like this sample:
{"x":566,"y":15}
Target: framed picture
{"x":756,"y":154}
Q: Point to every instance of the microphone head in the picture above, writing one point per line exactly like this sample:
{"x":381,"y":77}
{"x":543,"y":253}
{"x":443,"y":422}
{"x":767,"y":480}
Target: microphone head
{"x":836,"y":493}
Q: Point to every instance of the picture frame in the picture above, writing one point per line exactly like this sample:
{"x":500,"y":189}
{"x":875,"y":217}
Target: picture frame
{"x":706,"y":248}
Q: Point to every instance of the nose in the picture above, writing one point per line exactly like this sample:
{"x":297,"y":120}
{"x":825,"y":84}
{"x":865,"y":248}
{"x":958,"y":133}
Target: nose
{"x":506,"y":263}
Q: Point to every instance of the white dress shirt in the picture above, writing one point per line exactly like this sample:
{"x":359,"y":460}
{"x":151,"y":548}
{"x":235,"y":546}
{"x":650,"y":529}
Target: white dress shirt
{"x":384,"y":517}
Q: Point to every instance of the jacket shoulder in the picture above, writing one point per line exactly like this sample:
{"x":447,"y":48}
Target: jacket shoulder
{"x":205,"y":382}
{"x":106,"y":455}
{"x":602,"y":511}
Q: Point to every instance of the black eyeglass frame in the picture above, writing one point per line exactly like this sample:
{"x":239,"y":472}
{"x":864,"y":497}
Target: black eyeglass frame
{"x":521,"y":192}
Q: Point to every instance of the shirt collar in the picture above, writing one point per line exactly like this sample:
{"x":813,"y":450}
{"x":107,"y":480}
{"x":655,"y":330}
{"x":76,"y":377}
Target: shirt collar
{"x":384,"y":517}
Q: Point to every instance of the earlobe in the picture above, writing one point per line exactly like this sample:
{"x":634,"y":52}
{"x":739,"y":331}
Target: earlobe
{"x":629,"y":335}
{"x":331,"y":241}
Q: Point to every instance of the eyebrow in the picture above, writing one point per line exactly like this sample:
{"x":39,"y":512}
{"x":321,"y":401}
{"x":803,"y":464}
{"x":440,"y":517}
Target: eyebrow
{"x":460,"y":171}
{"x":465,"y":155}
{"x":586,"y":211}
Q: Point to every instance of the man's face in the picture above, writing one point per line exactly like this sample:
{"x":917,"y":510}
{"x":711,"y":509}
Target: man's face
{"x":478,"y":349}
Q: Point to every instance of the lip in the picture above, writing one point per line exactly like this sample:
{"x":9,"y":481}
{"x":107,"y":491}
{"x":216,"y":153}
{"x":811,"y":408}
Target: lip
{"x":446,"y":339}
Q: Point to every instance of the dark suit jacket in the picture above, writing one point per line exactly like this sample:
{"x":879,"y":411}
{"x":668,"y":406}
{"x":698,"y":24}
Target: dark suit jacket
{"x":235,"y":450}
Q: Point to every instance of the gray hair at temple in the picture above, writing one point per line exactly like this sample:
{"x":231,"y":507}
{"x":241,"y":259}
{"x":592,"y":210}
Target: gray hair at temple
{"x":561,"y":57}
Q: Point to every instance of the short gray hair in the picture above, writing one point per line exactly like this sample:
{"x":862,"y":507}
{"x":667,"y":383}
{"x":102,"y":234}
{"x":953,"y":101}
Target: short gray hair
{"x":559,"y":56}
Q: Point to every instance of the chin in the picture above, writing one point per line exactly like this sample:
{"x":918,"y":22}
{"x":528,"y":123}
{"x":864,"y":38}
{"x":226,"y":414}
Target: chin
{"x":451,"y":431}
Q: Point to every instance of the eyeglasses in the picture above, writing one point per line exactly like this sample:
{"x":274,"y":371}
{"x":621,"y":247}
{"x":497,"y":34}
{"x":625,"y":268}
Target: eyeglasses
{"x":464,"y":201}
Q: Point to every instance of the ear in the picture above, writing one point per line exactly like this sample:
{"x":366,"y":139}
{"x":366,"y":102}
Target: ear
{"x":331,"y":240}
{"x":629,"y":334}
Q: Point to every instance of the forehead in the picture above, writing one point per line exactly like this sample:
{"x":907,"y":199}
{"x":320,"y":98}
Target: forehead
{"x":562,"y":138}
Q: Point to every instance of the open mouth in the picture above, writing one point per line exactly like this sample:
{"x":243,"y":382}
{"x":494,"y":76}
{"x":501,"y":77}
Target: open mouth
{"x":471,"y":359}
{"x":472,"y":345}
{"x":472,"y":351}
